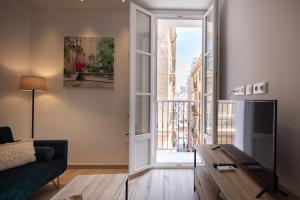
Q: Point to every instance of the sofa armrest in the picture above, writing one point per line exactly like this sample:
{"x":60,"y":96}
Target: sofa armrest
{"x":60,"y":146}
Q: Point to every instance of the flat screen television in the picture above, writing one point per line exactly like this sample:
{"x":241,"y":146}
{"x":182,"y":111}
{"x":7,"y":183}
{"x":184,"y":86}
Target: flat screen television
{"x":254,"y":142}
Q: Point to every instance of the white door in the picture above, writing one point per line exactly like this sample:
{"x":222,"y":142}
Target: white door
{"x":210,"y":74}
{"x":141,"y":89}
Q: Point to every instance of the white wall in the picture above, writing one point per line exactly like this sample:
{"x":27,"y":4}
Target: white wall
{"x":260,"y":41}
{"x":14,"y":62}
{"x":94,"y":121}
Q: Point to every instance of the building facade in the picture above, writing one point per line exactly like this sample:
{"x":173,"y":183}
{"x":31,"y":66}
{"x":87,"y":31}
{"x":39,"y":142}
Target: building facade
{"x":166,"y":87}
{"x":194,"y":94}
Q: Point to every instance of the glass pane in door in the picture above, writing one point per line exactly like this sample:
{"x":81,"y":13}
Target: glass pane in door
{"x":209,"y":33}
{"x":143,"y":32}
{"x":208,"y":114}
{"x":142,"y":115}
{"x":209,"y":74}
{"x":142,"y":73}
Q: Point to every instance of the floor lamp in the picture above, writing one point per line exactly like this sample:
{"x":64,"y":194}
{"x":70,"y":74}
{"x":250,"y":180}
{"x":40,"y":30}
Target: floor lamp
{"x":33,"y":84}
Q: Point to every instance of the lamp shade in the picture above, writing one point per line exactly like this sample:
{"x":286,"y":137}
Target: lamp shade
{"x":33,"y":83}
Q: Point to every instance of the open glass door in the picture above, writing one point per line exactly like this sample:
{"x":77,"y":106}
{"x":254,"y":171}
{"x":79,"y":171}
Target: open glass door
{"x":141,"y":85}
{"x":210,"y":74}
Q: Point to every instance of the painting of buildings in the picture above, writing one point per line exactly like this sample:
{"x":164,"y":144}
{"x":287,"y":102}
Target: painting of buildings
{"x":89,"y":62}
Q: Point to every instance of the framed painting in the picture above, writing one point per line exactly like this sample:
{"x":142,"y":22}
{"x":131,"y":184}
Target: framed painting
{"x":89,"y":62}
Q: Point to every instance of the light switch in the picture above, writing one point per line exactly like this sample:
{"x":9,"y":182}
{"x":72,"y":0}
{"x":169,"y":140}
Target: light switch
{"x":249,"y":89}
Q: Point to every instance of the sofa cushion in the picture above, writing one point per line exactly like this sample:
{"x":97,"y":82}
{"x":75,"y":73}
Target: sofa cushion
{"x":6,"y":135}
{"x":44,"y":153}
{"x":16,"y":154}
{"x":19,"y":182}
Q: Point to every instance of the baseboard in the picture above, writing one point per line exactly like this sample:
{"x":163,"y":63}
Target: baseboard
{"x":96,"y":166}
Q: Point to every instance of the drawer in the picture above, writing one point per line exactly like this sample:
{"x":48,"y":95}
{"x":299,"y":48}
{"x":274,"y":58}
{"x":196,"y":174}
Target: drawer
{"x":199,"y":190}
{"x":207,"y":183}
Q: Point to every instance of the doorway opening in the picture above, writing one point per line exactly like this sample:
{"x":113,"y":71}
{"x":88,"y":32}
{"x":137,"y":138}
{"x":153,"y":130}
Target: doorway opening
{"x":179,"y":77}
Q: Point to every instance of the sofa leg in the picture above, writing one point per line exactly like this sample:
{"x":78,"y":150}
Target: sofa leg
{"x":56,"y":184}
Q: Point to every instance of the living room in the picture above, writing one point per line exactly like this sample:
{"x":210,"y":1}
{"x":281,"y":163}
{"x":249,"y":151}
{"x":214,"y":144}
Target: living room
{"x":254,"y":42}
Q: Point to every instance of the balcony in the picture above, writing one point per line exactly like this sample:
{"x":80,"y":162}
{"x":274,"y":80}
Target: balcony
{"x":178,"y":125}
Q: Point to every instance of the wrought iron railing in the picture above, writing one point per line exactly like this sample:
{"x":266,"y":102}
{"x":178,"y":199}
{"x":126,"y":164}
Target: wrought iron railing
{"x":226,"y":122}
{"x":178,"y":125}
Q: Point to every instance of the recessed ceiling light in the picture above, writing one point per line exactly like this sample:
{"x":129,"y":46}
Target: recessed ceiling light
{"x":123,"y":1}
{"x":82,"y":0}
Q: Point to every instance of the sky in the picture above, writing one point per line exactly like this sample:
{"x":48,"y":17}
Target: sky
{"x":188,"y":46}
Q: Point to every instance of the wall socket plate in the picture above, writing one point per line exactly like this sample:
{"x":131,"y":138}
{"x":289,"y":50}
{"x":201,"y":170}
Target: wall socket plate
{"x":260,"y":88}
{"x":249,"y":89}
{"x":239,"y":91}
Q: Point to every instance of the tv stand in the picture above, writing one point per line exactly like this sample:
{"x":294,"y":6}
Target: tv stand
{"x":209,"y":183}
{"x":265,"y":190}
{"x":261,"y":193}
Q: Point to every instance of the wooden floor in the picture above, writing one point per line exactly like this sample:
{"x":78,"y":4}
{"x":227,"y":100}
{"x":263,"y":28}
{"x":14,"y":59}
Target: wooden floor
{"x":156,"y":184}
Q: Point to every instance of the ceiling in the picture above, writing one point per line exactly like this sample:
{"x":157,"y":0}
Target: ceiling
{"x":149,"y":4}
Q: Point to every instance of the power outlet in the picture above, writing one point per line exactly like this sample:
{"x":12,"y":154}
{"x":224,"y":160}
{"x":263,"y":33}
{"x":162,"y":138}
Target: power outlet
{"x":260,"y":88}
{"x":249,"y":89}
{"x":239,"y":91}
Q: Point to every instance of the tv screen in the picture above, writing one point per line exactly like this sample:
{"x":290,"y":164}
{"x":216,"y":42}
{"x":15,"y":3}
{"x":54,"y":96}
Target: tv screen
{"x":256,"y":130}
{"x":255,"y":138}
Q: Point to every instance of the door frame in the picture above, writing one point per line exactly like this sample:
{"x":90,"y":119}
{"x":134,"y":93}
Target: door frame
{"x":160,"y":14}
{"x":171,"y":15}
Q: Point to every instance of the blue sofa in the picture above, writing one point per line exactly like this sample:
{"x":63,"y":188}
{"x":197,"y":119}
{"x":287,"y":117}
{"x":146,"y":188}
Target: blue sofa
{"x":20,"y":182}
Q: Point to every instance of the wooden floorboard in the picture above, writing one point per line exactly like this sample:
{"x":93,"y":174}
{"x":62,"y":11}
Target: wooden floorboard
{"x":156,"y":184}
{"x":164,"y":184}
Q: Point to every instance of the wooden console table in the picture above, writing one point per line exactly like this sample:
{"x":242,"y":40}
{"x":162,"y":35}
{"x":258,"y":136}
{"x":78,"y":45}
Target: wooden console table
{"x":212,"y":184}
{"x":96,"y":187}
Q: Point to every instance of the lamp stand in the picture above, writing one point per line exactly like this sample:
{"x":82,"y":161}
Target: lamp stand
{"x":32,"y":114}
